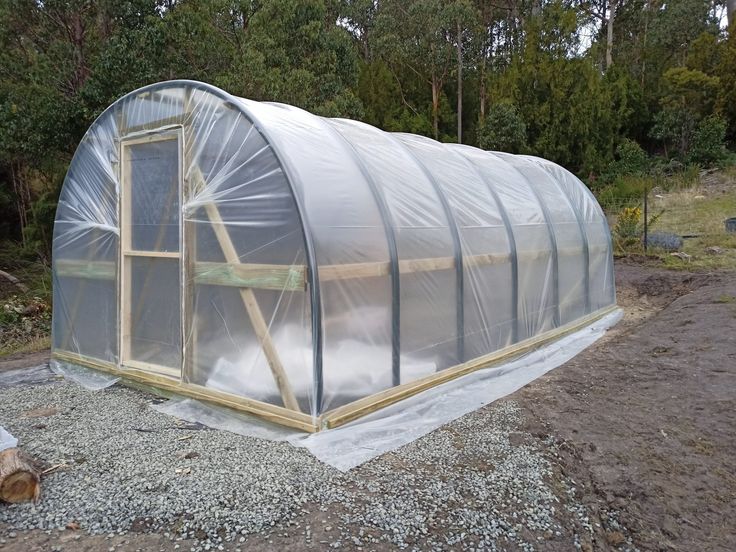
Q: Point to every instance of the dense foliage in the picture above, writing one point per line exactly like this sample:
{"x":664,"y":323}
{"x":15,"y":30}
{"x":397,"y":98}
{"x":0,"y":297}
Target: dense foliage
{"x":599,"y":86}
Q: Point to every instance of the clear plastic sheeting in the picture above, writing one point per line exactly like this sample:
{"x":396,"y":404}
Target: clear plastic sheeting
{"x":351,"y":445}
{"x":6,"y":439}
{"x":87,"y":378}
{"x":34,"y":375}
{"x":256,"y":251}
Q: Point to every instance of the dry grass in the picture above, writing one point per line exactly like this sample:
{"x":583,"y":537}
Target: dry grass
{"x":35,"y":344}
{"x":697,"y":214}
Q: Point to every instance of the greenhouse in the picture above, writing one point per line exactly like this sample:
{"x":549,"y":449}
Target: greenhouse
{"x":310,"y":270}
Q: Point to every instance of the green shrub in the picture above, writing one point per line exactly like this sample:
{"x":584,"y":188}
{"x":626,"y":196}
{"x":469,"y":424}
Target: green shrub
{"x":709,"y":142}
{"x":626,"y":189}
{"x":630,"y":159}
{"x":503,"y":129}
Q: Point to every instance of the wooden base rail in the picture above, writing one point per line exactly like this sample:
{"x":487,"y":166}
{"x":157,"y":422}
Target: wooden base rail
{"x":367,"y":405}
{"x":341,"y":415}
{"x":269,"y":412}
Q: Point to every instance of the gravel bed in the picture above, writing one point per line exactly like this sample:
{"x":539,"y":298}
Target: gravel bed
{"x":121,"y":466}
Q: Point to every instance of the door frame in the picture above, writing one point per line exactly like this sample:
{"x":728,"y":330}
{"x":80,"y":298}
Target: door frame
{"x":126,"y":253}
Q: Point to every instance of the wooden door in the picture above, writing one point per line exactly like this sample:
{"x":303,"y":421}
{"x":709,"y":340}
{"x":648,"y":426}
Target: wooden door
{"x":150,"y":253}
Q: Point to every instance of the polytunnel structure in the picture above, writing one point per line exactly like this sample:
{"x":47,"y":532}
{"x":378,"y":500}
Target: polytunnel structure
{"x":305,"y":269}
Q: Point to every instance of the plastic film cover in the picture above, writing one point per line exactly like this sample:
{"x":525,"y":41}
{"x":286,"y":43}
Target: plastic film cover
{"x":258,"y":250}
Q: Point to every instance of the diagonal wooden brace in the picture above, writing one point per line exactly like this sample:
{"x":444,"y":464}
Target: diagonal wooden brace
{"x":251,"y":303}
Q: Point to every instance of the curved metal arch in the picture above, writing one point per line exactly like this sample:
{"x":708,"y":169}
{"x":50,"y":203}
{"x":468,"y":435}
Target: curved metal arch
{"x":509,"y":233}
{"x":456,"y":243}
{"x":545,"y":166}
{"x":550,"y":232}
{"x":607,"y":232}
{"x":603,"y":220}
{"x":315,"y":296}
{"x":393,"y":250}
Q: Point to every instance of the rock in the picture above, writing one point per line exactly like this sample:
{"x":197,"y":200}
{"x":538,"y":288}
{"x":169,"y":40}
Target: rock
{"x":714,"y":250}
{"x":681,"y":255}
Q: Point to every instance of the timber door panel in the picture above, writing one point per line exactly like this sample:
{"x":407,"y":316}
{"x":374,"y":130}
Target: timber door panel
{"x":150,"y":227}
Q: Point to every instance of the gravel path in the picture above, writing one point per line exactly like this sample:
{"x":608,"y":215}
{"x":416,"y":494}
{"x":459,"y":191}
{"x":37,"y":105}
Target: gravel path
{"x":126,"y":469}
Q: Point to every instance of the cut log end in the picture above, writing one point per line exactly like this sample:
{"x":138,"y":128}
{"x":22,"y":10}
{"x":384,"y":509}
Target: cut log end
{"x":19,"y":479}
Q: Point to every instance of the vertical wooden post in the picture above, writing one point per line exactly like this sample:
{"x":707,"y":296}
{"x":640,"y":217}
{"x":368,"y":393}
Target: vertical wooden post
{"x":125,"y":287}
{"x":188,"y":249}
{"x":646,"y":220}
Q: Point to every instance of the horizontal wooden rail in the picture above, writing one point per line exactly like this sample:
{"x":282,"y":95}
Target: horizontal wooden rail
{"x":257,"y":276}
{"x":91,"y":270}
{"x":154,"y":254}
{"x":158,"y":124}
{"x":294,"y":277}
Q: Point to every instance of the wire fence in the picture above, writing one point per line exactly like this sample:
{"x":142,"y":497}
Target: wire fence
{"x":695,"y":217}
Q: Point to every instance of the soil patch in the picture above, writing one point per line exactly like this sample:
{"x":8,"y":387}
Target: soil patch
{"x":646,"y":417}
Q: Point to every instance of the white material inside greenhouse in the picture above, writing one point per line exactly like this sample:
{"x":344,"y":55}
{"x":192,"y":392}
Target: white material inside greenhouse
{"x":310,"y":270}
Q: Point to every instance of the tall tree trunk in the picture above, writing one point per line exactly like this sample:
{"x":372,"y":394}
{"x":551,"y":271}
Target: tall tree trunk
{"x":77,"y":35}
{"x":459,"y":83}
{"x":644,"y":46}
{"x":609,"y":33}
{"x":22,"y":198}
{"x":435,"y":106}
{"x":486,"y":50}
{"x":482,"y":89}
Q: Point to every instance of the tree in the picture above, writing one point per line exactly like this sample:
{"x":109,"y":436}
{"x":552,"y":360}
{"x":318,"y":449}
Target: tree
{"x":689,"y":98}
{"x":415,"y":35}
{"x":359,"y":17}
{"x":295,"y":53}
{"x":560,"y":96}
{"x":503,"y":129}
{"x":465,"y":17}
{"x":709,"y":141}
{"x":726,"y":99}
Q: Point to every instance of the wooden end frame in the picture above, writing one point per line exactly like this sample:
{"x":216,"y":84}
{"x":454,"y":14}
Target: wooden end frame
{"x":269,"y":412}
{"x":367,"y":405}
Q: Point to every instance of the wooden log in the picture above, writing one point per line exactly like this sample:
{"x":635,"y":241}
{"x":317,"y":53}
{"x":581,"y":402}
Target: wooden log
{"x":15,"y":281}
{"x":20,"y":481}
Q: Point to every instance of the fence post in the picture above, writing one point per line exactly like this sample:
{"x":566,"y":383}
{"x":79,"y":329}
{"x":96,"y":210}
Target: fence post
{"x":646,"y":221}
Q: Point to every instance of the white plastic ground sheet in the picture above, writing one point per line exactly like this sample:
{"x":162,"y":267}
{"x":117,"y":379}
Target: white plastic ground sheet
{"x":6,"y":439}
{"x":89,"y":379}
{"x":390,"y":428}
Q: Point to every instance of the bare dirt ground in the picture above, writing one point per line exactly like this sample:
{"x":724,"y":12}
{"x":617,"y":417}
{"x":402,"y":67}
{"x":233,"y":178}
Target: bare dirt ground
{"x":643,"y":422}
{"x":647,"y":416}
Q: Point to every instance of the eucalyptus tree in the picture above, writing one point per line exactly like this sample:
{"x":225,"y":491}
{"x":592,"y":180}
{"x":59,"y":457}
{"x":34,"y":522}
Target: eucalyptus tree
{"x":417,"y":36}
